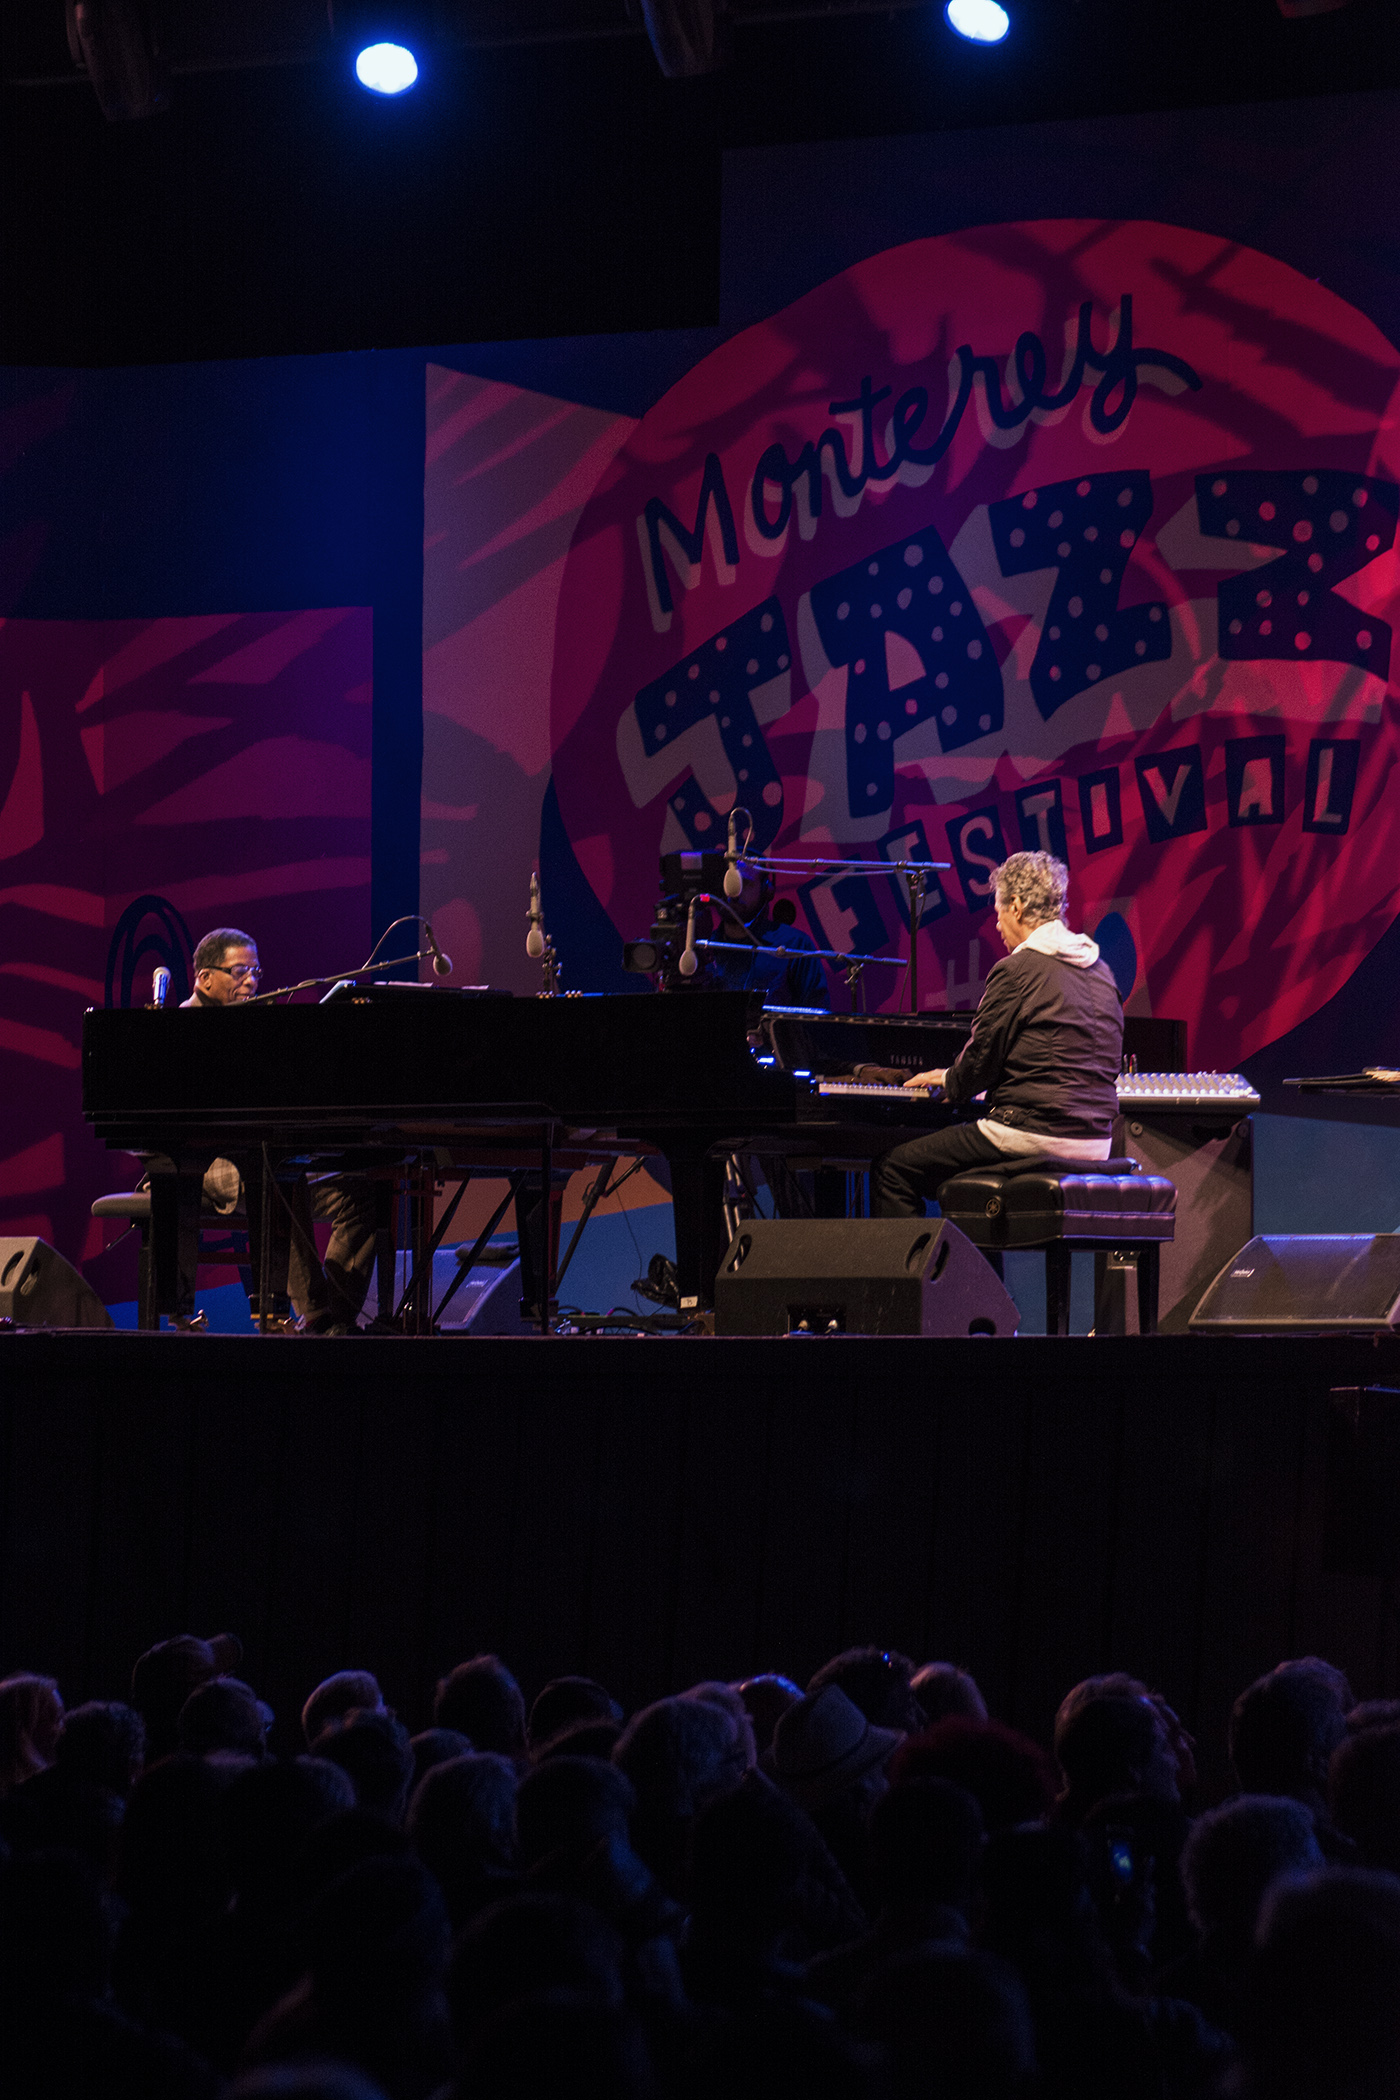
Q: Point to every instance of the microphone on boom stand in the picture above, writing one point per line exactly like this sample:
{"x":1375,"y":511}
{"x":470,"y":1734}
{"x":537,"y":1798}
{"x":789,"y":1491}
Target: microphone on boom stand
{"x":538,"y":946}
{"x":442,"y":964}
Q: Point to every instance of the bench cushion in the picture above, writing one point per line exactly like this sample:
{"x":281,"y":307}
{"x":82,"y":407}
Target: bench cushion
{"x":1038,"y":1202}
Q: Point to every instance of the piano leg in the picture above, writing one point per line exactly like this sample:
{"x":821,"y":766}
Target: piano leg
{"x":177,"y":1189}
{"x":697,"y":1201}
{"x":269,"y":1208}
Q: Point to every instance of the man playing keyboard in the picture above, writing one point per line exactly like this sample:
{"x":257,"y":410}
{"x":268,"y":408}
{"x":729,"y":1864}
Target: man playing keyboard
{"x":1044,"y":1053}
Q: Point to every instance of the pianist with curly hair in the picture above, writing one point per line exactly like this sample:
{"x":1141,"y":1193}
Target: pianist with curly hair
{"x":1043,"y":1058}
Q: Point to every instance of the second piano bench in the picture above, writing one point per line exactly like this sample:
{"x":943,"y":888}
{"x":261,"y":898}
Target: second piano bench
{"x":1058,"y":1206}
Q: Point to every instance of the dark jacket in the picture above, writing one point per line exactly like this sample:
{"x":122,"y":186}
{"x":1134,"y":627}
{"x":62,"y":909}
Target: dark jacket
{"x":1046,"y":1047}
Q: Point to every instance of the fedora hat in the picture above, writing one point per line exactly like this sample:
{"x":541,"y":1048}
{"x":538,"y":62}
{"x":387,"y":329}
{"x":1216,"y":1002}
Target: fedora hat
{"x":825,"y":1743}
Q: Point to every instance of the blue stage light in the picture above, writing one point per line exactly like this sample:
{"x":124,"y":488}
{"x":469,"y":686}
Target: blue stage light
{"x":981,"y":21}
{"x":386,"y":68}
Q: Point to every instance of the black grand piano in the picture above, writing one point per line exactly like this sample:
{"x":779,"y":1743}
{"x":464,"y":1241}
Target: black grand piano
{"x":443,"y":1083}
{"x":429,"y":1083}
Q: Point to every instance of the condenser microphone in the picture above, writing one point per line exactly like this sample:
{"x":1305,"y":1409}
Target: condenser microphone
{"x":160,"y":986}
{"x":733,"y":880}
{"x":442,"y":964}
{"x":534,"y":939}
{"x":690,"y":961}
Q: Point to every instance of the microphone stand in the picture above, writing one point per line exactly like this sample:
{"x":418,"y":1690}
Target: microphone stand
{"x":310,"y":984}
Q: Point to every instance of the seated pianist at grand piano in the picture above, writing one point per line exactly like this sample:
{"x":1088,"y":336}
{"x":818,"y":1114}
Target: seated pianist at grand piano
{"x":1045,"y":1051}
{"x":227,"y":973}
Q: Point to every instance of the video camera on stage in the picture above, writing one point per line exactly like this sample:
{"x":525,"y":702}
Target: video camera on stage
{"x":685,"y":878}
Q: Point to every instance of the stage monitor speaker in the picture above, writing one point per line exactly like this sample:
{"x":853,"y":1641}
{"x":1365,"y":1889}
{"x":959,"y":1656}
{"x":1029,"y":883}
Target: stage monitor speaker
{"x":1305,"y":1283}
{"x":830,"y":1276}
{"x":38,"y":1288}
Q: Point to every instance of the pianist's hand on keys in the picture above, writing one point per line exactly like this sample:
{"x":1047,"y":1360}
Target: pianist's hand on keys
{"x":895,"y":1075}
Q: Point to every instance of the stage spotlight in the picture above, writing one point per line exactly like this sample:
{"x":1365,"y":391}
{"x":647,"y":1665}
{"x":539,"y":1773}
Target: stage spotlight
{"x":980,"y":21}
{"x":386,"y":69}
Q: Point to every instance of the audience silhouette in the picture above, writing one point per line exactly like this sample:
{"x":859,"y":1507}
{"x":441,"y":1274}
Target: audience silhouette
{"x":870,"y":1890}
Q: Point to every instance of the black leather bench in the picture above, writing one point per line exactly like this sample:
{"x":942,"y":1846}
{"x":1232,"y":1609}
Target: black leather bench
{"x":1055,"y":1206}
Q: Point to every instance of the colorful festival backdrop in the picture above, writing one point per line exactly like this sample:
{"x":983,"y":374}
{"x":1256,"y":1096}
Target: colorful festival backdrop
{"x":1066,"y":534}
{"x":158,"y":777}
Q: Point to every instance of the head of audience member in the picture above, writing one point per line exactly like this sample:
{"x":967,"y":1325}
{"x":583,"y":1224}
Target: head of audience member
{"x":1321,"y":2003}
{"x":825,"y":1749}
{"x":731,"y":1701}
{"x":164,"y":1677}
{"x":1010,"y":1777}
{"x":462,"y":1823}
{"x":585,"y":1739}
{"x":955,"y":2022}
{"x":781,"y":2044}
{"x":434,"y":1746}
{"x":1372,"y":1713}
{"x":1233,"y":1856}
{"x":926,"y":1843}
{"x":880,"y":1682}
{"x":565,"y":1704}
{"x":224,"y":1714}
{"x":1365,"y":1794}
{"x":337,"y":1695}
{"x":527,"y":1944}
{"x":269,"y":1811}
{"x":1038,"y":1914}
{"x":31,"y":1717}
{"x":173,"y":1860}
{"x":226,"y":967}
{"x":943,"y":1690}
{"x":568,"y":1805}
{"x":103,"y":1743}
{"x":1110,"y":1742}
{"x":347,"y":1839}
{"x":558,"y":2042}
{"x":746,"y":1862}
{"x":380,"y":1931}
{"x":374,"y":1749}
{"x":482,"y":1701}
{"x":680,"y":1754}
{"x":1284,"y":1728}
{"x":767,"y":1698}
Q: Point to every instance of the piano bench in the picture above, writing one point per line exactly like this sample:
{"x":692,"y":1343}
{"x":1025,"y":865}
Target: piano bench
{"x":1055,"y":1206}
{"x":134,"y":1205}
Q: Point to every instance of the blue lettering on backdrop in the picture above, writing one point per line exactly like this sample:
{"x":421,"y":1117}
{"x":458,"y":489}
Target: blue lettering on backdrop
{"x":1331,"y":524}
{"x":1040,"y":812}
{"x":904,"y":623}
{"x":978,"y":848}
{"x":843,"y":914}
{"x":1330,"y":784}
{"x":687,"y":548}
{"x":1172,"y":785}
{"x":1085,"y":530}
{"x":1254,"y":779}
{"x":1101,"y":809}
{"x":717,"y":681}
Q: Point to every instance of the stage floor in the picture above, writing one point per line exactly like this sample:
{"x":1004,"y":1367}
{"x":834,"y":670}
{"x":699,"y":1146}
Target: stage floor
{"x":652,"y":1513}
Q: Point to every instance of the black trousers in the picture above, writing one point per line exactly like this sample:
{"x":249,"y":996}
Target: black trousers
{"x":901,"y":1179}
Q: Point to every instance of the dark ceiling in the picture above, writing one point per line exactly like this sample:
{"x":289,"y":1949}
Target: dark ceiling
{"x":555,"y":185}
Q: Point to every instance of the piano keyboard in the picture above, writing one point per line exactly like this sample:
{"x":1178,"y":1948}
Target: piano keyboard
{"x":869,"y":1091}
{"x":1185,"y":1090}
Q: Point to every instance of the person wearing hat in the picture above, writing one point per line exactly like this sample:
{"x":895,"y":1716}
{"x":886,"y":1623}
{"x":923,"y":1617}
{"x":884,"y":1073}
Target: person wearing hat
{"x":832,"y":1761}
{"x":164,"y":1677}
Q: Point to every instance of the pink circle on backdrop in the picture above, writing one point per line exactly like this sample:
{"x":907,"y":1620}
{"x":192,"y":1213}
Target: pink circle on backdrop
{"x":1243,"y":929}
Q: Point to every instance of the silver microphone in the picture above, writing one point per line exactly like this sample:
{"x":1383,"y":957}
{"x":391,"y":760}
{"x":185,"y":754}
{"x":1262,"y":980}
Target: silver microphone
{"x":733,"y":880}
{"x":690,"y":961}
{"x":442,"y":964}
{"x":534,"y":939}
{"x":160,"y":986}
